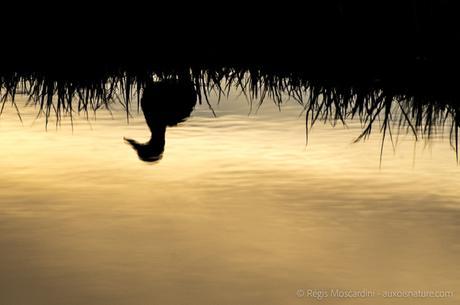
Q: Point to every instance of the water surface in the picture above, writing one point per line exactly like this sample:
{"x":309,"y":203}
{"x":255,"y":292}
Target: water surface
{"x":239,"y":211}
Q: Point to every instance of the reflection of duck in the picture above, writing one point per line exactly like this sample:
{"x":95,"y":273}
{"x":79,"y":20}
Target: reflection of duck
{"x":164,"y":103}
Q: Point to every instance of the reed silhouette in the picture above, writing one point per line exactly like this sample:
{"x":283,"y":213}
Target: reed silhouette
{"x":164,"y":103}
{"x":421,"y":102}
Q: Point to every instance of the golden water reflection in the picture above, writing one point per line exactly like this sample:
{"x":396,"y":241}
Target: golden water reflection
{"x":239,"y":211}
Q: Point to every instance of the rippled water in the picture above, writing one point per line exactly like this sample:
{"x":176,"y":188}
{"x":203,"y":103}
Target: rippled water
{"x":239,"y":211}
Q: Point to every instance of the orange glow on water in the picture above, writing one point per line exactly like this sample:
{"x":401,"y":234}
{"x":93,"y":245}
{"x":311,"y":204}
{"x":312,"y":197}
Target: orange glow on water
{"x":238,"y":211}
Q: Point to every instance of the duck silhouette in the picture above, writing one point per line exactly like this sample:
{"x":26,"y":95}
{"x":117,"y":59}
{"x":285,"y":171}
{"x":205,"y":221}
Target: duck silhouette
{"x":165,"y":103}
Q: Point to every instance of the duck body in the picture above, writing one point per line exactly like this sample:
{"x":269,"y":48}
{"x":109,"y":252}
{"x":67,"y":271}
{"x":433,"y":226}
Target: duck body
{"x":168,"y":102}
{"x":165,"y":103}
